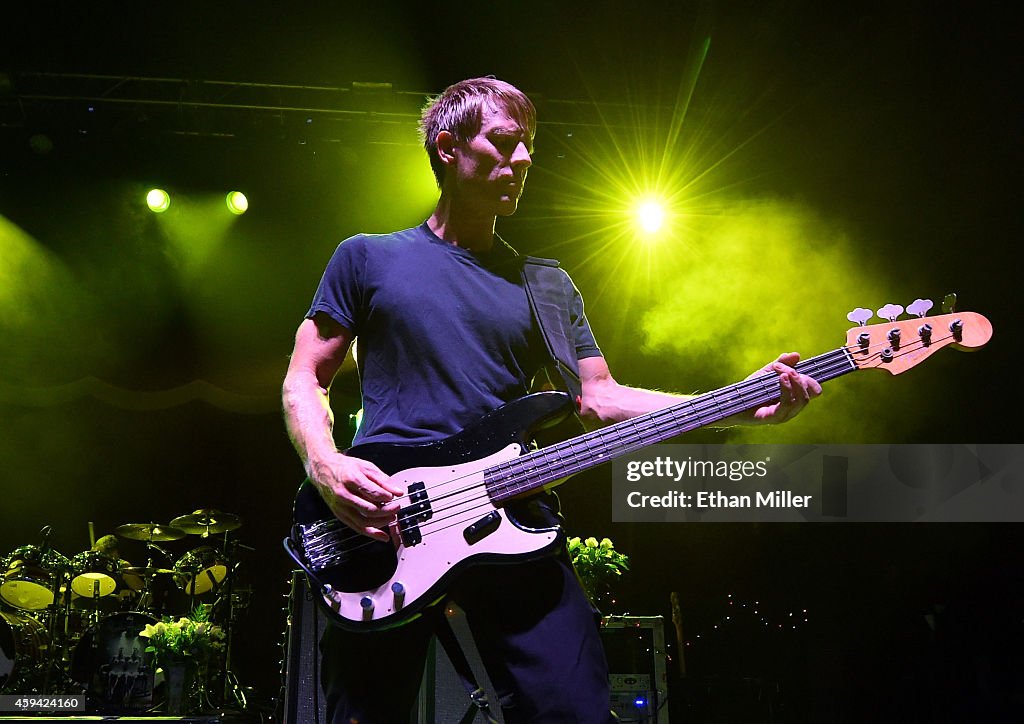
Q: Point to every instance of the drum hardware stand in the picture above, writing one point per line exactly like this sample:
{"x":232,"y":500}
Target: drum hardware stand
{"x":53,"y":661}
{"x":146,"y":595}
{"x":146,"y":600}
{"x":232,"y":688}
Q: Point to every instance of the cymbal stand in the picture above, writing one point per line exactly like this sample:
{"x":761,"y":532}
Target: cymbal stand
{"x":146,"y":595}
{"x":232,"y":687}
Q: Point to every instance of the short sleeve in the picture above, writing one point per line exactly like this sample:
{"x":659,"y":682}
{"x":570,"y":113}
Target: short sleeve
{"x":583,"y":336}
{"x":342,"y":288}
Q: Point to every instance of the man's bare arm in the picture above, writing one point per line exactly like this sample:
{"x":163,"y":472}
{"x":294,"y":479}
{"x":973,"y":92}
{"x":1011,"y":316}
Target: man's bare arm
{"x":605,"y":401}
{"x":357,"y":491}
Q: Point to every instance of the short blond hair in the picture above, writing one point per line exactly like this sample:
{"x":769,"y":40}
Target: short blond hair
{"x":458,"y":111}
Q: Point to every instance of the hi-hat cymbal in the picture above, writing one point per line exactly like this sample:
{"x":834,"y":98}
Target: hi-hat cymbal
{"x":148,"y":532}
{"x":207,"y":521}
{"x":149,"y":571}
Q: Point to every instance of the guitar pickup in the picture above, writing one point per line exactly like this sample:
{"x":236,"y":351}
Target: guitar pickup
{"x":482,"y":528}
{"x":418,"y":511}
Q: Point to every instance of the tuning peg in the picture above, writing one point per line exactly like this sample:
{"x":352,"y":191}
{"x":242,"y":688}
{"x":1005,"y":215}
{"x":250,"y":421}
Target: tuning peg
{"x":949,"y":303}
{"x":890,"y":312}
{"x":860,"y":316}
{"x":920,"y":307}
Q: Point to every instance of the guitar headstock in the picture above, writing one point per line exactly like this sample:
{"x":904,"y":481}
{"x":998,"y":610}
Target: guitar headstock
{"x":898,"y":345}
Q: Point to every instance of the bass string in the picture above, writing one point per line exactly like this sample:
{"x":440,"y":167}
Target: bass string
{"x":463,"y":510}
{"x":821,"y":368}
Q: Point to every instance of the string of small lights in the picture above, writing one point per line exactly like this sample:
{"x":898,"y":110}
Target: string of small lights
{"x":745,"y":612}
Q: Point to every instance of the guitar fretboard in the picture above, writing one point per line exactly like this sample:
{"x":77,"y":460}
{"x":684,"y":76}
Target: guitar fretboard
{"x":543,"y":467}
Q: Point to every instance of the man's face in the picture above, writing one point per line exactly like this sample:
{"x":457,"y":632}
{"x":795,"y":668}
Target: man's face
{"x":490,"y":168}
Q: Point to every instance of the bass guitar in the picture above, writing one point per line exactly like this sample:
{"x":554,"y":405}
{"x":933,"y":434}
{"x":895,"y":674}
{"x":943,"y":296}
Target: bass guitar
{"x":454,"y":514}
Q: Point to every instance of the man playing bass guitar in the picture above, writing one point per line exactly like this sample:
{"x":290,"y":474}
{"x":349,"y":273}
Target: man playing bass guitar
{"x":446,"y":335}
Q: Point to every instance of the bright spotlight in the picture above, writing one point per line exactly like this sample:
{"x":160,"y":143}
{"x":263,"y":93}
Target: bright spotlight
{"x":158,"y":201}
{"x":650,"y":215}
{"x":237,"y":203}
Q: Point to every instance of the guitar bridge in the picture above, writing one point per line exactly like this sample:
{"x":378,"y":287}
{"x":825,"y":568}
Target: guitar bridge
{"x":321,"y":544}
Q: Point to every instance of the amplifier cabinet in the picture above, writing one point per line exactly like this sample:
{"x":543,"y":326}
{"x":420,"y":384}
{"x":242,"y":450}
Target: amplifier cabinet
{"x":635,"y":647}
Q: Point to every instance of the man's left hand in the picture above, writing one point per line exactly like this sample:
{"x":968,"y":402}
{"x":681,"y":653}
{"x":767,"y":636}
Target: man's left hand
{"x":796,"y":390}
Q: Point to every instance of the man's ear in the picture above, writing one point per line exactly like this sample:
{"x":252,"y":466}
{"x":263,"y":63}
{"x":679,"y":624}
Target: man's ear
{"x":446,"y":147}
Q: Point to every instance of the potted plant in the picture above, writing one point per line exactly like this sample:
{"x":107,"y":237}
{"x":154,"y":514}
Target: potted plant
{"x":183,"y":648}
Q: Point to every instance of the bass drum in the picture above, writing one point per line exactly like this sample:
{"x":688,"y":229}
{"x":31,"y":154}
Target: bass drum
{"x":111,"y":662}
{"x":30,"y":575}
{"x":23,"y":646}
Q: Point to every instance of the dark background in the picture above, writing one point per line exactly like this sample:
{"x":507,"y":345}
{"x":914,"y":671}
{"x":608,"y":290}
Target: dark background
{"x":856,"y":154}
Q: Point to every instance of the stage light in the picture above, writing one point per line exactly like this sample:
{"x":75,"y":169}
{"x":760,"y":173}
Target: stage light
{"x":237,"y":203}
{"x":650,"y":215}
{"x":158,"y":201}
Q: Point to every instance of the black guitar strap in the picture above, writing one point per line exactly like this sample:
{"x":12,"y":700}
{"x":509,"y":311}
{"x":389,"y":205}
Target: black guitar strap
{"x":547,"y":289}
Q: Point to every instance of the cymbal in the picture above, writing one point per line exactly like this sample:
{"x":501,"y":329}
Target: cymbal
{"x":148,"y":532}
{"x":144,"y":571}
{"x":207,"y":521}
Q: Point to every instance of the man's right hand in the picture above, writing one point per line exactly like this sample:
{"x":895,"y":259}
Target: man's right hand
{"x":358,"y":493}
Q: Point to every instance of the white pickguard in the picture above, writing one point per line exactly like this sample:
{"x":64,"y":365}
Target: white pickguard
{"x":458,"y":498}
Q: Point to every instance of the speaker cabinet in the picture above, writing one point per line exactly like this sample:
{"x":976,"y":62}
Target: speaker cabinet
{"x":635,"y":648}
{"x":303,"y":698}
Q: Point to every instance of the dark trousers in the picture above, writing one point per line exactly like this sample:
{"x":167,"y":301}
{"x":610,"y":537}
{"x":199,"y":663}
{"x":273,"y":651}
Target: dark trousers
{"x":537,"y":635}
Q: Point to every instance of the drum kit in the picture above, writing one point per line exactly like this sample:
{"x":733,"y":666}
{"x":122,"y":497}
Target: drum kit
{"x":72,"y":624}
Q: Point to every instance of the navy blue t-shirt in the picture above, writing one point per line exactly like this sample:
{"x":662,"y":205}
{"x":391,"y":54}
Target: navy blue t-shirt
{"x":443,"y":335}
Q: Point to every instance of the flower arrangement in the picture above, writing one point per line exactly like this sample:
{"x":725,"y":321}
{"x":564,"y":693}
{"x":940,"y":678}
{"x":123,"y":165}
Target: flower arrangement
{"x":597,"y":564}
{"x":192,"y":637}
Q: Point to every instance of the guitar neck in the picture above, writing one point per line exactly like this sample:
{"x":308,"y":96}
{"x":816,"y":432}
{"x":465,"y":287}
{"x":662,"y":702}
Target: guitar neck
{"x":543,"y":467}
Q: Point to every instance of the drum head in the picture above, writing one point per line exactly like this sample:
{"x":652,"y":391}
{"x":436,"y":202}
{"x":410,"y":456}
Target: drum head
{"x":29,"y":576}
{"x":203,"y":570}
{"x":94,"y":574}
{"x":29,"y":594}
{"x":111,"y":662}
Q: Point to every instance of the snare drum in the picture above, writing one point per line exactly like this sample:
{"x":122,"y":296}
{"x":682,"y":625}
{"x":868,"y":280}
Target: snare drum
{"x":202,"y":569}
{"x":23,"y":645}
{"x":29,"y":577}
{"x":94,"y":574}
